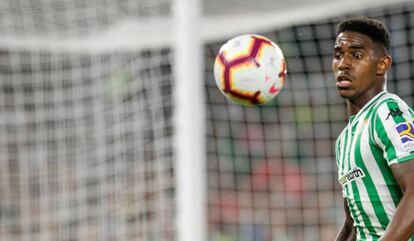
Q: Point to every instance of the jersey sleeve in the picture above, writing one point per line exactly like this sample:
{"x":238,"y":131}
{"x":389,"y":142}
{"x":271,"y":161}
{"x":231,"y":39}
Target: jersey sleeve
{"x":394,"y":131}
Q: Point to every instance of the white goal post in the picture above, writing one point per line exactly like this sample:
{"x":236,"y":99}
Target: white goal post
{"x":190,"y":122}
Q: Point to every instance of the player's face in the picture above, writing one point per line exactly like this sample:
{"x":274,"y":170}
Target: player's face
{"x":355,"y":61}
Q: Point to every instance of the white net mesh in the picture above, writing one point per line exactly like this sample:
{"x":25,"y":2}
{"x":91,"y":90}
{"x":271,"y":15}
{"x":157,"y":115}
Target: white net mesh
{"x":86,"y":146}
{"x":85,"y":137}
{"x":73,"y":17}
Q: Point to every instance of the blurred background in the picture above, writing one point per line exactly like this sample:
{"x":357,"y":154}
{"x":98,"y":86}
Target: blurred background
{"x":87,"y":125}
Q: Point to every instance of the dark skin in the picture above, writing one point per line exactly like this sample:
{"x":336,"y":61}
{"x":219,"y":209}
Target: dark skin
{"x":348,"y":231}
{"x":360,"y":66}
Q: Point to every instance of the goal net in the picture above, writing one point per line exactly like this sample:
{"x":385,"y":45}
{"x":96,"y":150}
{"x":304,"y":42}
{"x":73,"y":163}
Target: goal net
{"x":87,"y":131}
{"x":85,"y":126}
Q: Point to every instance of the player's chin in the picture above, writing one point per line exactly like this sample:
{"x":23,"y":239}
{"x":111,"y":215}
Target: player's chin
{"x":344,"y":92}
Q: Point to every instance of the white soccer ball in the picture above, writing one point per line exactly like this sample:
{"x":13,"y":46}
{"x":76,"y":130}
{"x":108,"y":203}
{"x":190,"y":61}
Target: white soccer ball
{"x":250,"y":69}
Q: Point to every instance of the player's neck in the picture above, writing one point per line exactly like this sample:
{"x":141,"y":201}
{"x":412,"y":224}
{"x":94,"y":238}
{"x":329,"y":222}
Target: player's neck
{"x":354,"y":106}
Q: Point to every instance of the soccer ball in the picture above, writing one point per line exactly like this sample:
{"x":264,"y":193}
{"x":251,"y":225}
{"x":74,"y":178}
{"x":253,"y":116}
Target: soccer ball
{"x":250,"y":69}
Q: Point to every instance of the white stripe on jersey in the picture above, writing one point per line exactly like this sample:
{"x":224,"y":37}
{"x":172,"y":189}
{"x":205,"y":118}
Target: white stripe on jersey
{"x":359,"y":220}
{"x":377,"y":177}
{"x":363,"y":192}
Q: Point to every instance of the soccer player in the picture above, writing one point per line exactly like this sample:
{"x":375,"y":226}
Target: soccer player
{"x":375,"y":151}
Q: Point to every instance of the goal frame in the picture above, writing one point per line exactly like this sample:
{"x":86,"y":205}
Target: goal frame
{"x":189,"y":122}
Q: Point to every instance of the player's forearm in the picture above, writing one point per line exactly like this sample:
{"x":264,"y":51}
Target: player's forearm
{"x":401,"y":226}
{"x":347,"y":233}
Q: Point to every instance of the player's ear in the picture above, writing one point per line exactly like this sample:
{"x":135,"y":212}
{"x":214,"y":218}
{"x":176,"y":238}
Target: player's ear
{"x":384,"y":64}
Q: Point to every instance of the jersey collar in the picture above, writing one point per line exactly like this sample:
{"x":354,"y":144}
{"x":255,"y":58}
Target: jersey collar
{"x":366,"y":106}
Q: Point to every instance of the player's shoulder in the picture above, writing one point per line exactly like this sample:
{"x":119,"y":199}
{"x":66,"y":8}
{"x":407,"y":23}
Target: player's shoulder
{"x":390,"y":101}
{"x":390,"y":106}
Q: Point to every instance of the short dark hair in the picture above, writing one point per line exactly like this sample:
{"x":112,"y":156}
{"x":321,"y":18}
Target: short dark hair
{"x":371,"y":27}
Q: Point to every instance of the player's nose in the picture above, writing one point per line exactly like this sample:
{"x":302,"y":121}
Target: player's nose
{"x":344,"y":63}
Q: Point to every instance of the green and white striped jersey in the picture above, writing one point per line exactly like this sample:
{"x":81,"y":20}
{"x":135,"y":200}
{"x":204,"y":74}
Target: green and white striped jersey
{"x":381,"y":134}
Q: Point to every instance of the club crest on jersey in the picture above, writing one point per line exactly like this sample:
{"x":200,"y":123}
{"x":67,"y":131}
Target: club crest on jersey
{"x":406,"y":133}
{"x":353,"y":175}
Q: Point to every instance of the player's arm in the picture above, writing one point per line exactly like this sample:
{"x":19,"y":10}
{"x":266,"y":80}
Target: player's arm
{"x":347,"y":232}
{"x":401,"y":226}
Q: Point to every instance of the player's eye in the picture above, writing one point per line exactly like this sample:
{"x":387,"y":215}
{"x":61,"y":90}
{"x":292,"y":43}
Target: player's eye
{"x":358,"y":55}
{"x":337,"y":55}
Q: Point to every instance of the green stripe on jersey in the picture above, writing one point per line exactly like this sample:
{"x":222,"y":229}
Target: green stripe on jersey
{"x":383,"y":136}
{"x":392,"y":186}
{"x":371,"y":189}
{"x":354,"y":210}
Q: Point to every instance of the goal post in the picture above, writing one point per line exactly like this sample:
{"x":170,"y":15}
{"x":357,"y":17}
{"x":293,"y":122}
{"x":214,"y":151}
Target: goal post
{"x":189,"y":122}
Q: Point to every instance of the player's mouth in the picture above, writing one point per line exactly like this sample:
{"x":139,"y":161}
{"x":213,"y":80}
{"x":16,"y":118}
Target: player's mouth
{"x":343,"y":81}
